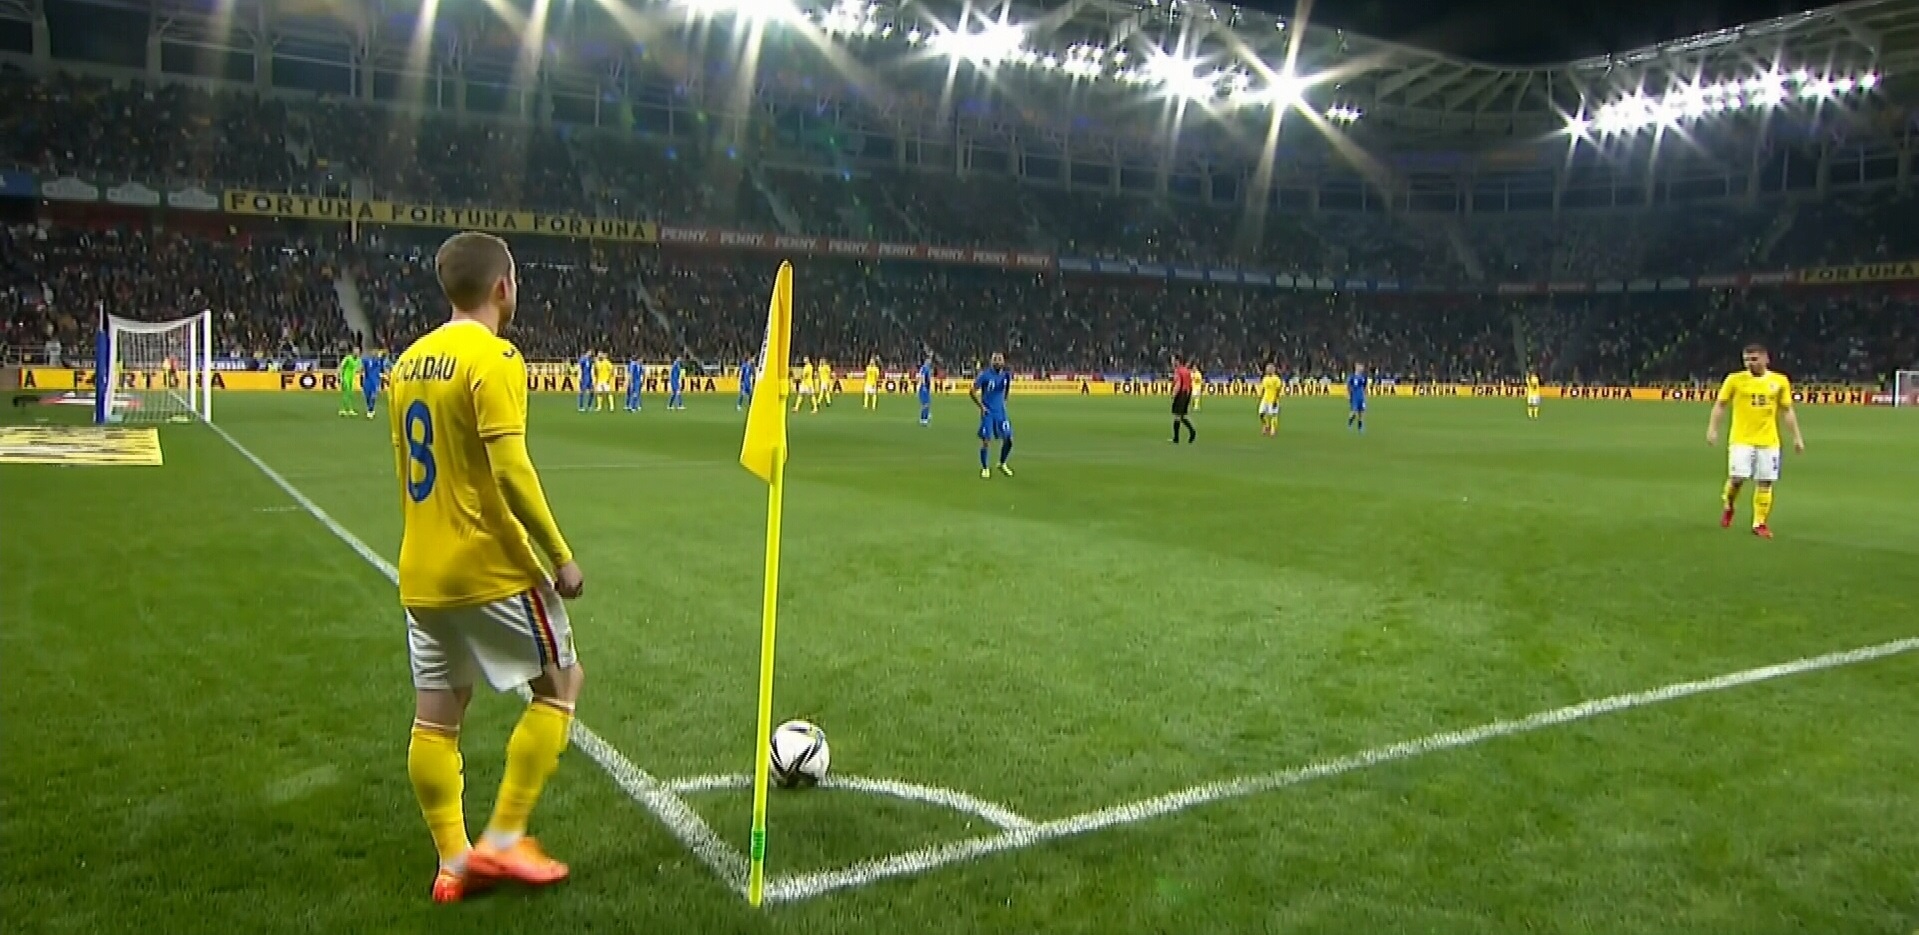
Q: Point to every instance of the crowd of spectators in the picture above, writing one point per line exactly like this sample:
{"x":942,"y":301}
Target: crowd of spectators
{"x":281,"y":299}
{"x":271,"y":298}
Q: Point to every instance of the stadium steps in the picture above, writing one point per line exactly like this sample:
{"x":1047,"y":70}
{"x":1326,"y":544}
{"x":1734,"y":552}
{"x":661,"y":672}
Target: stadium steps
{"x":348,"y":293}
{"x":789,"y":219}
{"x":1463,"y":249}
{"x":1781,"y":226}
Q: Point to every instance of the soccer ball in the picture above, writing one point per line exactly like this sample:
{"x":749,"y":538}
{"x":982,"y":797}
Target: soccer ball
{"x":797,"y":754}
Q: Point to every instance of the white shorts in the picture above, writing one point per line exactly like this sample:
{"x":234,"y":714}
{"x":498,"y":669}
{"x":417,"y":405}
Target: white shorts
{"x":1269,"y":409}
{"x":1532,"y":399}
{"x":510,"y":641}
{"x":872,"y":391}
{"x":806,"y":389}
{"x":602,"y":387}
{"x":1749,"y":463}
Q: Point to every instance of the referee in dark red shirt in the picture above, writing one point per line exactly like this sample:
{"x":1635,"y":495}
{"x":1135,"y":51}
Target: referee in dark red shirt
{"x":1182,"y":401}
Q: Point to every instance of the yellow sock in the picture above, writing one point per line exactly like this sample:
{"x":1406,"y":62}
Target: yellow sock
{"x":433,"y":763}
{"x":1761,"y":505}
{"x":1729,"y":493}
{"x":531,"y":755}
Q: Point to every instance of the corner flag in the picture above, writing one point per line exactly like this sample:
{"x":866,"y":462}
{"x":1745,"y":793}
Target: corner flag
{"x":763,"y":449}
{"x":763,"y":452}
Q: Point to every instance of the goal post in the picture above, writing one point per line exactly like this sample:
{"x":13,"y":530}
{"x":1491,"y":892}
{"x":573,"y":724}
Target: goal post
{"x":156,"y":371}
{"x":1905,"y":388}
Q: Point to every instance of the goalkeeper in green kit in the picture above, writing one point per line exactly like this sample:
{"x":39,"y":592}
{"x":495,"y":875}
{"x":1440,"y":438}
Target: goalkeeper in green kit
{"x":349,"y":382}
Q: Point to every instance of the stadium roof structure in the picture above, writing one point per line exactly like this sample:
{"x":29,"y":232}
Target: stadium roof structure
{"x":1101,"y":55}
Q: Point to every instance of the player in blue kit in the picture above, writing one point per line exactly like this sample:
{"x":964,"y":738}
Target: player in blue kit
{"x":926,"y":390}
{"x":586,"y":380}
{"x":635,"y":381}
{"x":1356,"y":398}
{"x":372,"y":375}
{"x":989,"y":394}
{"x":746,"y":385}
{"x":675,"y":378}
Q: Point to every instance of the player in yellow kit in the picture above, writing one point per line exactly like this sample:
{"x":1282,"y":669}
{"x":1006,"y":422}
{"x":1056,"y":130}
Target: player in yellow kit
{"x":1270,"y":389}
{"x":1759,"y":400}
{"x":478,"y":601}
{"x":1532,"y":396}
{"x":1199,"y":387}
{"x":825,"y":394}
{"x":809,"y":385}
{"x":603,"y":384}
{"x":873,"y":377}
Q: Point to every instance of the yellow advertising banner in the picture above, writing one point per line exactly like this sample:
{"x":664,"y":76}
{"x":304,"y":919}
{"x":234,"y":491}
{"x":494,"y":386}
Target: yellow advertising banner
{"x":494,"y":220}
{"x":1862,"y":272}
{"x":563,"y":378}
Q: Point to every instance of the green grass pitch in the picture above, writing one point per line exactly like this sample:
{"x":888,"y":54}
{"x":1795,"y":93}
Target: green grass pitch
{"x":206,"y":702}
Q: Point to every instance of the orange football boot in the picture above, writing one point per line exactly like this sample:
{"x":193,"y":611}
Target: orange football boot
{"x":523,"y":863}
{"x":451,"y":886}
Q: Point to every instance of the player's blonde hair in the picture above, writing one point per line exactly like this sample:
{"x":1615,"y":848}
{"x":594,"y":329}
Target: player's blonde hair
{"x":469,"y":264}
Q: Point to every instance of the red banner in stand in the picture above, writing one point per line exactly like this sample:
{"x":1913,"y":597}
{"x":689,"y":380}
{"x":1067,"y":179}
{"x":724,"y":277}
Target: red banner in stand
{"x":851,"y":249}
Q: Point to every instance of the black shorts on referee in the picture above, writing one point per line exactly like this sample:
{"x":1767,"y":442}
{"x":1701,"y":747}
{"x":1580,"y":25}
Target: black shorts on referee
{"x":1182,"y":402}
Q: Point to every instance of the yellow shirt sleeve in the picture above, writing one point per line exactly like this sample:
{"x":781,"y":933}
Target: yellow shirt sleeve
{"x":519,"y":485}
{"x":499,"y":397}
{"x":499,"y":408}
{"x":1727,"y":389}
{"x":1785,"y":395}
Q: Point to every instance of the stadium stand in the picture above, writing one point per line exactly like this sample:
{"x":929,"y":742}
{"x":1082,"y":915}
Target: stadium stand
{"x":272,"y":285}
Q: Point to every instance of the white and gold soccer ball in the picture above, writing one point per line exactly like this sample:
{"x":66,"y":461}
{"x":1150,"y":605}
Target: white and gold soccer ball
{"x":797,"y":755}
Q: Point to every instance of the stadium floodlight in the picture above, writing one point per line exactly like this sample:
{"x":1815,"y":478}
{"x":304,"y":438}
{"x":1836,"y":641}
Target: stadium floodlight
{"x":1083,"y":67}
{"x":1340,"y":113}
{"x":1279,"y":91}
{"x":914,"y":36}
{"x":1868,"y":81}
{"x":1180,"y":77}
{"x":994,"y":42}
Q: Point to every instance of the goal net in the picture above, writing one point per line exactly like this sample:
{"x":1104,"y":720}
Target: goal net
{"x":1905,"y":388}
{"x":157,"y":371}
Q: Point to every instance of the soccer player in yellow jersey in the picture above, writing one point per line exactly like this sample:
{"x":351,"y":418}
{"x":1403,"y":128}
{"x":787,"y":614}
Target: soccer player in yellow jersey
{"x":825,"y":394}
{"x":1199,"y":387}
{"x":1759,"y":400}
{"x":603,"y":384}
{"x":478,"y":601}
{"x":809,"y":385}
{"x":1270,"y":389}
{"x":1532,"y":396}
{"x":873,"y":384}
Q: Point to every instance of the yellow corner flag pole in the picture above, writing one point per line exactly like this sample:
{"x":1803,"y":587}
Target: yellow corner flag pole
{"x":763,"y":452}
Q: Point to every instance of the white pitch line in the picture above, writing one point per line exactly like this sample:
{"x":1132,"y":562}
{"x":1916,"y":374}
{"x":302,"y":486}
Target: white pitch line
{"x":807,"y":885}
{"x":672,"y":811}
{"x":991,"y":812}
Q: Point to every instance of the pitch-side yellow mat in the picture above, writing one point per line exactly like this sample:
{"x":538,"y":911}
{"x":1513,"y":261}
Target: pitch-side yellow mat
{"x":72,"y":444}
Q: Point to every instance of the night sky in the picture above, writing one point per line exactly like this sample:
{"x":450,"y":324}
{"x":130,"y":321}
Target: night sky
{"x":1527,"y":32}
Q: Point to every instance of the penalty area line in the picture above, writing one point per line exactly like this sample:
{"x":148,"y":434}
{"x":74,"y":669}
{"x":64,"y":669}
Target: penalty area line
{"x":796,"y":887}
{"x":672,"y":811}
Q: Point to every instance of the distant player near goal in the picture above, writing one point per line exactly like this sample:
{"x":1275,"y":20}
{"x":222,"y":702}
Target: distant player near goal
{"x":1532,"y":396}
{"x":1759,"y":400}
{"x":873,"y":377}
{"x":1270,"y":389}
{"x":478,"y":602}
{"x":809,"y":385}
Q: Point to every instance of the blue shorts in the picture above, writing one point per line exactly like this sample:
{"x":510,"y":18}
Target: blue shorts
{"x":995,"y":425}
{"x":1358,"y":404}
